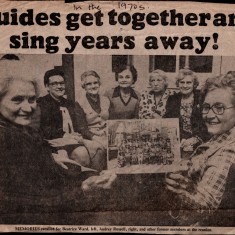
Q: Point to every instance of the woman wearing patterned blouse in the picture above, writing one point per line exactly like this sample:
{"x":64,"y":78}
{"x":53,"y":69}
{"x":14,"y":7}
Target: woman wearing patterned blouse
{"x":153,"y":101}
{"x":185,"y":105}
{"x":124,"y":100}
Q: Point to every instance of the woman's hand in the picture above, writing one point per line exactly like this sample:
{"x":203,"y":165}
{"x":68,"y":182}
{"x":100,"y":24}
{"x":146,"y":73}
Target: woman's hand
{"x":177,"y":181}
{"x":78,"y":137}
{"x":98,"y":141}
{"x":156,"y":116}
{"x":187,"y":144}
{"x":61,"y":158}
{"x":104,"y":181}
{"x":61,"y":142}
{"x":68,"y":139}
{"x":99,"y":132}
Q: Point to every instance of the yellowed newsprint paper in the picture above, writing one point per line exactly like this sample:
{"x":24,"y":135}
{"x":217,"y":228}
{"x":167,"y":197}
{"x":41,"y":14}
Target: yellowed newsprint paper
{"x":117,"y":117}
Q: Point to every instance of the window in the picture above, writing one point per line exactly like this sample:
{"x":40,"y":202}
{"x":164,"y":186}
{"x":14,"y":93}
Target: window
{"x":118,"y":61}
{"x":163,"y":62}
{"x":198,"y":64}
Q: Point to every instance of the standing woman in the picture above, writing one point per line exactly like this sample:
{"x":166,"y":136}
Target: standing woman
{"x":124,"y":100}
{"x":185,"y":105}
{"x":153,"y":101}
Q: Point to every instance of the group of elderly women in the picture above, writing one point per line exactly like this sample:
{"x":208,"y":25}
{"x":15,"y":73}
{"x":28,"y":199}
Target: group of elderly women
{"x":31,"y":180}
{"x":157,"y":102}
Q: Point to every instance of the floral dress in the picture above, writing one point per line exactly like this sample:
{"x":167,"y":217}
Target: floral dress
{"x":149,"y":107}
{"x":186,"y":109}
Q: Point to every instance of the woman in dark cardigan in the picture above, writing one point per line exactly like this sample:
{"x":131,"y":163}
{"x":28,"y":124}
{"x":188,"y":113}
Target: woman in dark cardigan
{"x":185,"y":105}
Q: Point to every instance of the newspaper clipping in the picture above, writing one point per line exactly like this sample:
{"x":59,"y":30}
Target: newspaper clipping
{"x":117,"y":117}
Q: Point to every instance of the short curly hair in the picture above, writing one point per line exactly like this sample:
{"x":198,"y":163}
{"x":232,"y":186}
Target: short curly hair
{"x":220,"y":82}
{"x":187,"y":72}
{"x":89,"y":73}
{"x":160,"y":73}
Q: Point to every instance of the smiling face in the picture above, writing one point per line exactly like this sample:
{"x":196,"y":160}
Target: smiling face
{"x":157,"y":83}
{"x":125,"y":78}
{"x":91,"y":85}
{"x":19,"y":104}
{"x":218,"y":124}
{"x":56,"y":86}
{"x":186,"y":85}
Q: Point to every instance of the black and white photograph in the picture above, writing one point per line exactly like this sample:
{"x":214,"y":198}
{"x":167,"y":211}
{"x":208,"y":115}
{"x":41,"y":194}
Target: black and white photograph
{"x":117,"y":117}
{"x":83,"y":139}
{"x":143,"y":146}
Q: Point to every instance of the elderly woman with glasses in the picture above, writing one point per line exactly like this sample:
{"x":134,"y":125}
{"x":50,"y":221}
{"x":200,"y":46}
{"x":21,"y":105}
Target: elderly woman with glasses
{"x":153,"y":101}
{"x":185,"y":105}
{"x":199,"y":189}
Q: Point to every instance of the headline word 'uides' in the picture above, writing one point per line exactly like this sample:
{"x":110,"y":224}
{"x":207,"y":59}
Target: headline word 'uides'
{"x":137,"y":20}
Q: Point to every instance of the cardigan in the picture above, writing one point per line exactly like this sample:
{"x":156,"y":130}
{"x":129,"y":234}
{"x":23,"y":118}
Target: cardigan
{"x":121,"y":110}
{"x":96,"y":121}
{"x":197,"y":124}
{"x":51,"y":123}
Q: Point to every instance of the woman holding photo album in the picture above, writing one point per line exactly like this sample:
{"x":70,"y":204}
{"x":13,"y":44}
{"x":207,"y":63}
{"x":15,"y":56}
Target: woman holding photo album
{"x":201,"y":189}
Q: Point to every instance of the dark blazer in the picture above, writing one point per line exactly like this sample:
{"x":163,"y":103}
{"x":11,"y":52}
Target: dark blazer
{"x":51,"y":123}
{"x":173,"y":111}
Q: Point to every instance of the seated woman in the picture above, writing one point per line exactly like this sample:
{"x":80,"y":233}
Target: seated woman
{"x":30,"y":178}
{"x":185,"y":105}
{"x":153,"y":101}
{"x":63,"y":123}
{"x":200,"y":188}
{"x":96,"y":108}
{"x":124,"y":100}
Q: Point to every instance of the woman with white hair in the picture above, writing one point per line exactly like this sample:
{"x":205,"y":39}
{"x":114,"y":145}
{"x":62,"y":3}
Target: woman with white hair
{"x":185,"y":105}
{"x":31,"y":176}
{"x":95,"y":106}
{"x":96,"y":109}
{"x":153,"y":101}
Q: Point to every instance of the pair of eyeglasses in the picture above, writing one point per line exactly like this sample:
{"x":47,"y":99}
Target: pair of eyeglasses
{"x":54,"y":84}
{"x":217,"y":108}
